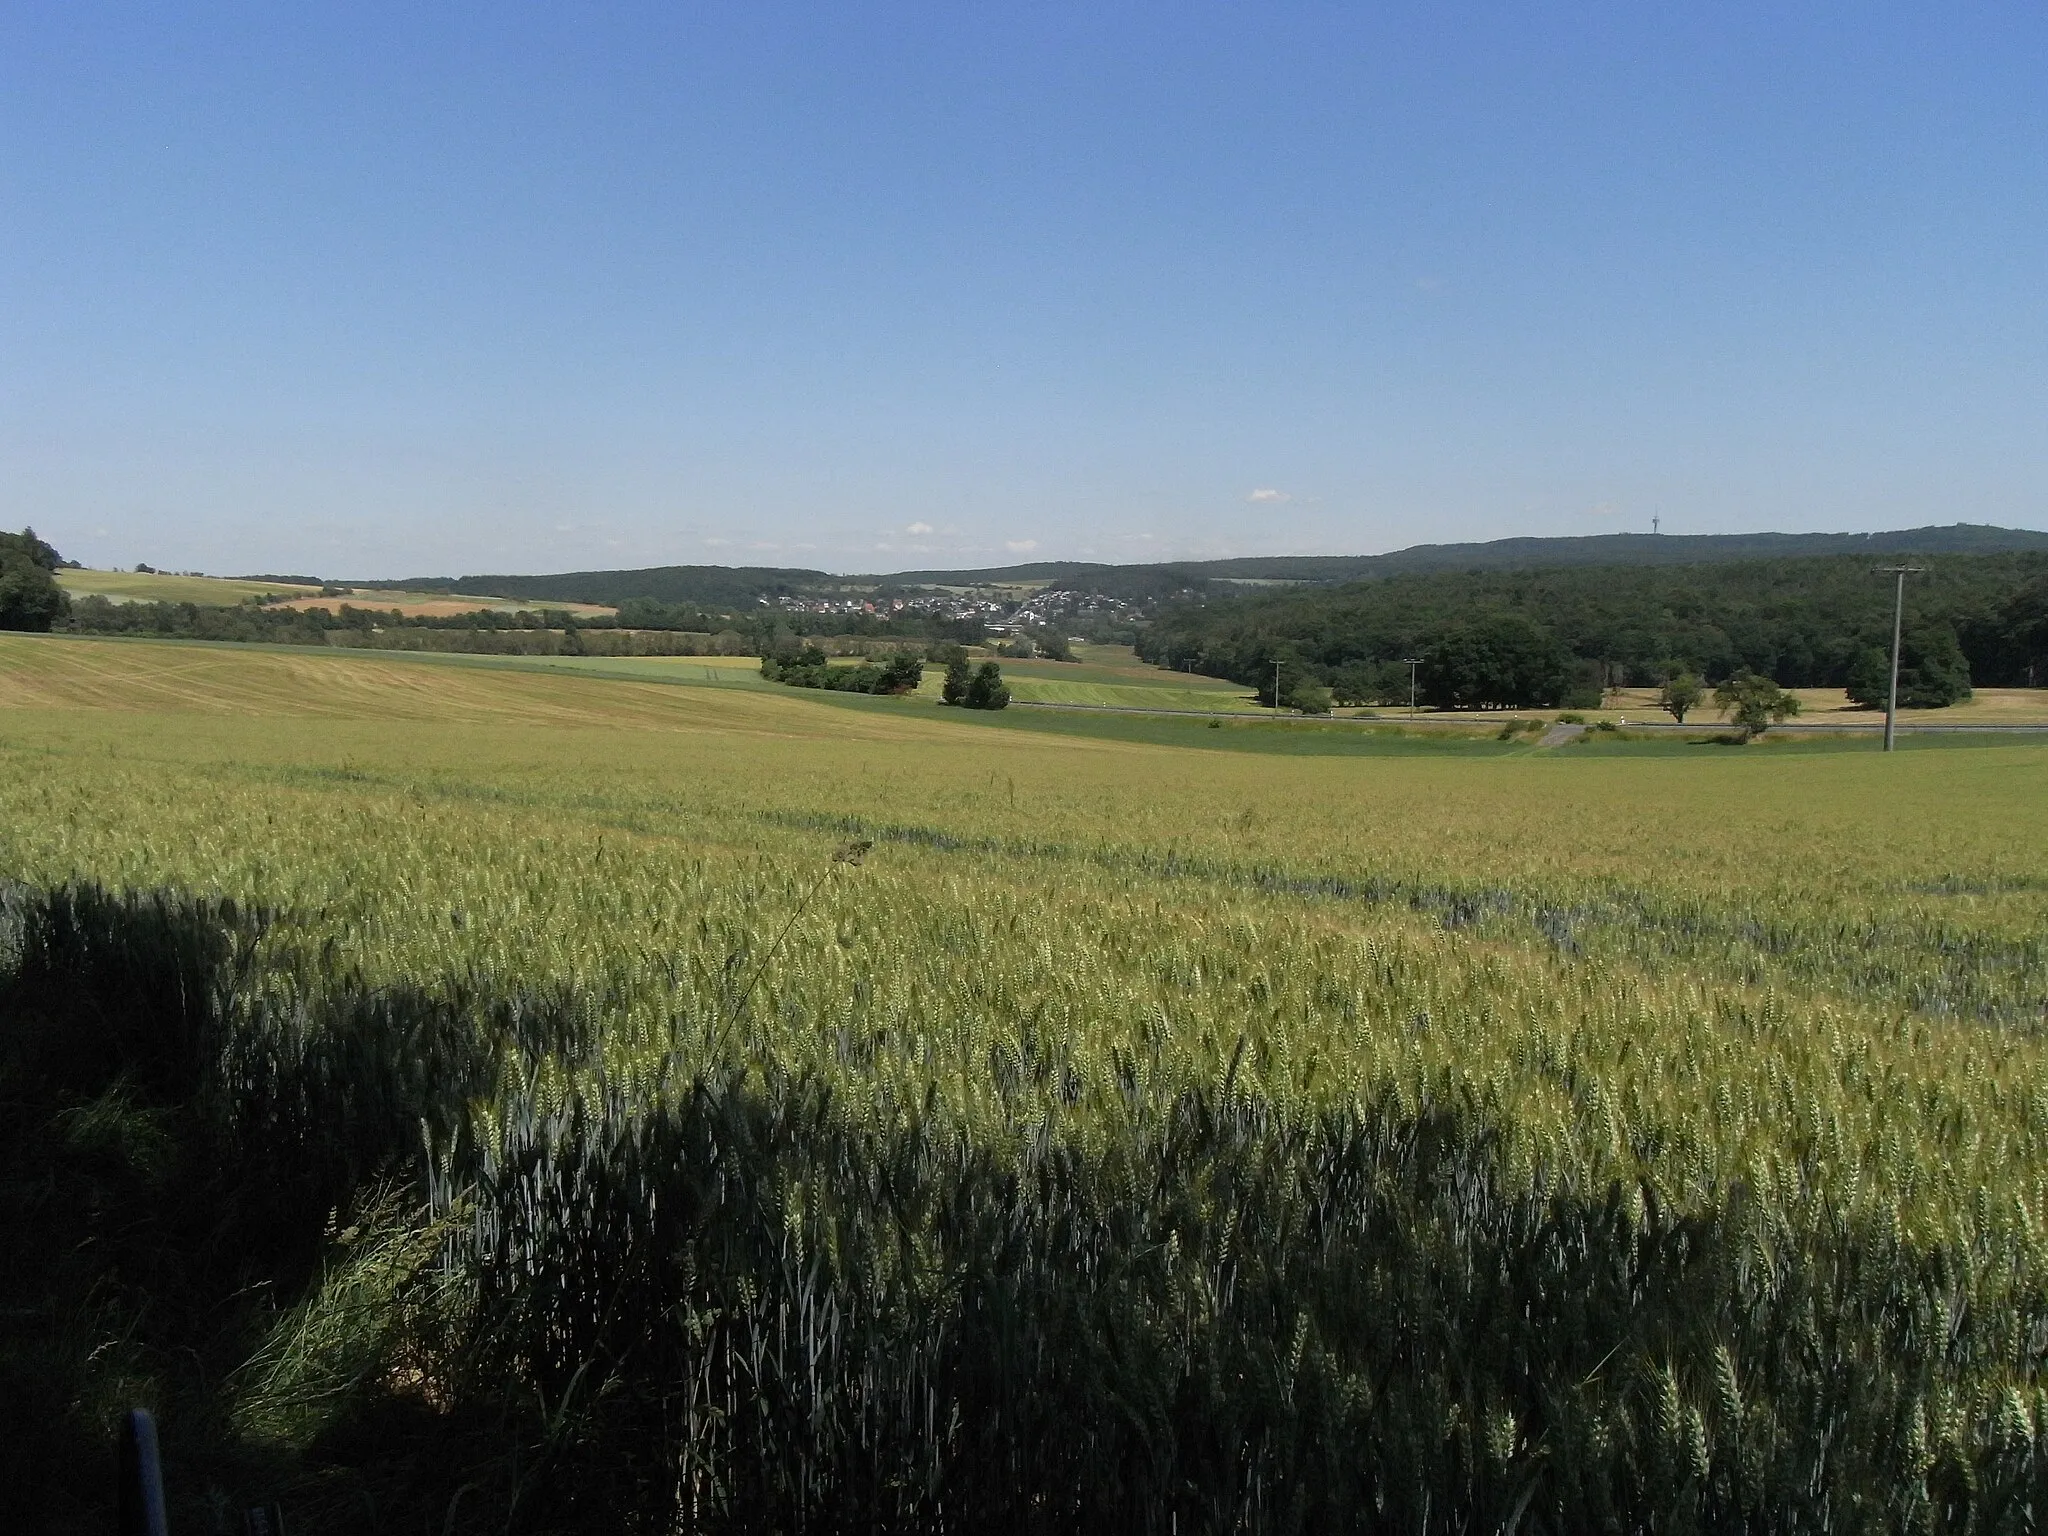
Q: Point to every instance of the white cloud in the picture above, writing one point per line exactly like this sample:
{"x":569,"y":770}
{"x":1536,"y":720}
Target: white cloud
{"x":1020,"y":546}
{"x":919,"y":528}
{"x":1266,"y":494}
{"x":716,"y":543}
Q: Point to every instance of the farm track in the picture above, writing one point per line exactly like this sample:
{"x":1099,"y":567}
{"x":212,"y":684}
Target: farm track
{"x":1475,"y":724}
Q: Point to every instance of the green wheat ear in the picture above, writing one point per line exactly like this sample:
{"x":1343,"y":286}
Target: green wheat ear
{"x":848,"y":853}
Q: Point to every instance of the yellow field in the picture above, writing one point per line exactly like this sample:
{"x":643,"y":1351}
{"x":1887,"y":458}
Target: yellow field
{"x":71,"y":678}
{"x":1824,"y":706}
{"x":226,"y":592}
{"x":428,"y":605}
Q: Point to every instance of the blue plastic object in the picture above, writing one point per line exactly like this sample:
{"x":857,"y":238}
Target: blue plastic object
{"x":142,"y":1478}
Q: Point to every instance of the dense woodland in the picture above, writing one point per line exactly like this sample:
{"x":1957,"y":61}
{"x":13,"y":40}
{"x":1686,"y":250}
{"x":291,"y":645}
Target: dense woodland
{"x":1559,"y":636}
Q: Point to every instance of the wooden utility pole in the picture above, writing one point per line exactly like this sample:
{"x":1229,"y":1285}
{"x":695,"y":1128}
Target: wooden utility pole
{"x":1891,"y":703}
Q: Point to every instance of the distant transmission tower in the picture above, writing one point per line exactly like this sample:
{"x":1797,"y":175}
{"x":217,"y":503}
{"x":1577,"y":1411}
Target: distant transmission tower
{"x":1656,"y":523}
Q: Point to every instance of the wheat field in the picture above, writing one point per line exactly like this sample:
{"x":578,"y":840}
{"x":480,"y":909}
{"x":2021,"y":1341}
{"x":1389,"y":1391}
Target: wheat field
{"x":842,"y":1118}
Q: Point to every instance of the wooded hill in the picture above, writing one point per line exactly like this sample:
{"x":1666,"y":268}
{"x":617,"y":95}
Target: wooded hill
{"x":1561,"y":633}
{"x":740,"y":586}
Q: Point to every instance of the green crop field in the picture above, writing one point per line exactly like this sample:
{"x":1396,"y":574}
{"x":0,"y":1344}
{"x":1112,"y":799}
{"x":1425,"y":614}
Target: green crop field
{"x":163,"y":587}
{"x":469,"y":1096}
{"x":1160,"y":692}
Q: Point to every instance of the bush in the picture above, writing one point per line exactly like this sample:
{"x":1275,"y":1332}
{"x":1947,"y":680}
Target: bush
{"x":987,"y":690}
{"x":1310,"y":697}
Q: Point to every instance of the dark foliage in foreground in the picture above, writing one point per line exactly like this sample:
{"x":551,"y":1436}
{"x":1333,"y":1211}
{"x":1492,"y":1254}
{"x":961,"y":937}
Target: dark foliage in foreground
{"x":720,"y":1304}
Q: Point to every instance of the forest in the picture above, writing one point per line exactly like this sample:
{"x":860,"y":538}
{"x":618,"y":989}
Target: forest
{"x":1549,"y":637}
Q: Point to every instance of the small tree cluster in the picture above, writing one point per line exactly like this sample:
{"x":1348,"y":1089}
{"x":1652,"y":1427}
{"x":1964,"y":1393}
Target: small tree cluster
{"x":1933,"y":672}
{"x":973,"y":687}
{"x":29,"y":595}
{"x":809,"y":667}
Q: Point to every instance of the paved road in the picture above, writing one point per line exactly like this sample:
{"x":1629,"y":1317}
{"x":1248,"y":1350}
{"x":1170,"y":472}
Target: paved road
{"x":1468,"y":722}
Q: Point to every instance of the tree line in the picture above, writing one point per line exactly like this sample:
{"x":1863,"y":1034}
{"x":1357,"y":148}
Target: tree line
{"x":640,"y":628}
{"x":1480,"y":639}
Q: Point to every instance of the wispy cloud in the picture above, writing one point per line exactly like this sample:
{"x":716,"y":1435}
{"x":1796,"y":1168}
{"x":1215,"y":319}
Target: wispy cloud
{"x":918,"y":528}
{"x":1020,"y":546}
{"x":1266,"y":493}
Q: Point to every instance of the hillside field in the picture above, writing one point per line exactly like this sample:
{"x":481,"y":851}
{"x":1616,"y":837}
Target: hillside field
{"x":227,"y":591}
{"x":165,"y":587}
{"x":538,"y":1095}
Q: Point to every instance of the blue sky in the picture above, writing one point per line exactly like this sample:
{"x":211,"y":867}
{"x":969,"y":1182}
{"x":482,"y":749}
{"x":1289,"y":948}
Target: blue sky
{"x":395,"y":289}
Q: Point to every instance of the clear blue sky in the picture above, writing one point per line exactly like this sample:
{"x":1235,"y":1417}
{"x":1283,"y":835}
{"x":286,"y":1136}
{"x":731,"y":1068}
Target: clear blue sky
{"x":385,"y":289}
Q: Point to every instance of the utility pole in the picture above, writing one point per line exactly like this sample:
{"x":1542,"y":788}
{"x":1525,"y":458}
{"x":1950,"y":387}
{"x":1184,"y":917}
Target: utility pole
{"x":1891,"y":703}
{"x":1656,"y":524}
{"x":1411,"y":663}
{"x":1276,"y":684}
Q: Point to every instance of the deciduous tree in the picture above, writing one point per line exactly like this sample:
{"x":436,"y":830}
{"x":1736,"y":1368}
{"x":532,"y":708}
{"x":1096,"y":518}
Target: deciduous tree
{"x":1754,"y":704}
{"x":1680,"y":695}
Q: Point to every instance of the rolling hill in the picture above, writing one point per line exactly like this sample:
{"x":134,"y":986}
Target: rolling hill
{"x":737,"y":586}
